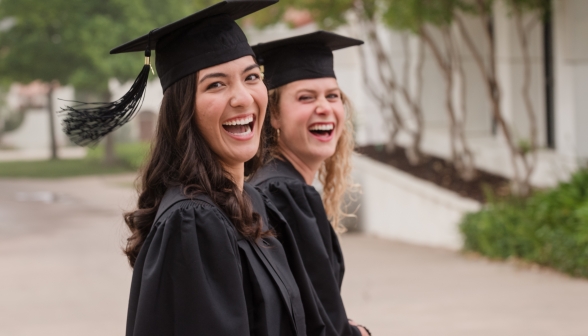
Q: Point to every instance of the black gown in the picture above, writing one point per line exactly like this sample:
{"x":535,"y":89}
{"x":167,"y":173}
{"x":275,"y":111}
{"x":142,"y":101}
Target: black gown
{"x":307,"y":222}
{"x":195,"y":275}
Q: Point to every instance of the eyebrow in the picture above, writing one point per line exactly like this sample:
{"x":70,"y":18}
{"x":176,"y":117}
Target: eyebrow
{"x":222,"y":75}
{"x":212,"y":75}
{"x":251,"y":67}
{"x":334,"y":89}
{"x":315,"y":91}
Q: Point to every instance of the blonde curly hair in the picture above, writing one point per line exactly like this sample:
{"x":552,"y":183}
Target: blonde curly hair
{"x":335,"y":172}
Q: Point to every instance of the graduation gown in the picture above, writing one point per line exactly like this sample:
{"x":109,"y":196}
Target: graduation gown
{"x":196,"y":275}
{"x":307,"y":224}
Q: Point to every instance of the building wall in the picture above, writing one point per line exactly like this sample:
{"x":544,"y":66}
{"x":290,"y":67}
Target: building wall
{"x":571,"y":68}
{"x":34,"y":132}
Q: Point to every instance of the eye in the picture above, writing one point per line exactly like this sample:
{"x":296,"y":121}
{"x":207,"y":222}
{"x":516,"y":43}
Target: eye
{"x":252,"y":77}
{"x":214,"y":85}
{"x":333,"y":96}
{"x":305,"y":98}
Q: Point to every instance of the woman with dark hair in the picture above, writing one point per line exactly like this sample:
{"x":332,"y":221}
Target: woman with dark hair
{"x":309,"y":134}
{"x":205,"y":263}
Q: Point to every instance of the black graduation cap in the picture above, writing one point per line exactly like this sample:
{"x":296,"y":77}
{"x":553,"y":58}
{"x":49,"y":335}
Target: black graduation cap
{"x":300,"y":57}
{"x":201,"y":40}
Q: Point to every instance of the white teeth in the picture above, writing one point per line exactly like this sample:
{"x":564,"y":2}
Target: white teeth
{"x":242,"y":121}
{"x":322,"y":127}
{"x":247,"y":131}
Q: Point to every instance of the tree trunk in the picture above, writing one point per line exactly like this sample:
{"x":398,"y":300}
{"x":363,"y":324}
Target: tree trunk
{"x":521,"y":185}
{"x":52,"y":136}
{"x":388,"y":80}
{"x":386,"y":102}
{"x":529,"y":155}
{"x":461,"y":155}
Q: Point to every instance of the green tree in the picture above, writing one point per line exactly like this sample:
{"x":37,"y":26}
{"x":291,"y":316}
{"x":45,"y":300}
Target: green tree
{"x":66,"y":42}
{"x":35,"y":46}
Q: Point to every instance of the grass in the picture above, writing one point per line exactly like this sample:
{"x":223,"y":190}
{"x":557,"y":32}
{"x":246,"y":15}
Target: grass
{"x":131,"y":156}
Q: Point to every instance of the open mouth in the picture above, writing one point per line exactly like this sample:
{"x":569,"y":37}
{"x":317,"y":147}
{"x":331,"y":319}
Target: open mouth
{"x":322,"y":130}
{"x":240,"y":127}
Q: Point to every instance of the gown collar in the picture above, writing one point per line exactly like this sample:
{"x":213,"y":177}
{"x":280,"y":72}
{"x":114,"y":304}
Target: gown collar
{"x":278,"y":167}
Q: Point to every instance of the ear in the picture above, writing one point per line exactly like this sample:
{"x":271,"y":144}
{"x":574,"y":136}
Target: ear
{"x":275,"y":122}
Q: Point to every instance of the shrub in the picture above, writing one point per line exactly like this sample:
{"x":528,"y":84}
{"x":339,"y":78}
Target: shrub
{"x":549,"y":228}
{"x":131,"y":154}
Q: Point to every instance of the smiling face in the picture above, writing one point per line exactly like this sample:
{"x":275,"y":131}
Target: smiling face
{"x":231,"y":101}
{"x":311,"y":119}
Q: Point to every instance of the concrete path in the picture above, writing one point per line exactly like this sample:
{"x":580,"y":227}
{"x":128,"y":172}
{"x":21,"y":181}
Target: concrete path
{"x":62,"y":273}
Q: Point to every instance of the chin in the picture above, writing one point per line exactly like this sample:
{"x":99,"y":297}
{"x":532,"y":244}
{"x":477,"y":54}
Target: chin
{"x":324,"y":153}
{"x":244,"y":154}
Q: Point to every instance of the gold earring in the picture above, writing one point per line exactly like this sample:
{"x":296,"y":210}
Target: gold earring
{"x":278,"y":132}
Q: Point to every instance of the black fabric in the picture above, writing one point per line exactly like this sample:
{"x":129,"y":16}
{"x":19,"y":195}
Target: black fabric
{"x":306,"y":56}
{"x":306,"y":230}
{"x":214,"y":41}
{"x":317,"y":319}
{"x":201,"y":40}
{"x":195,"y":275}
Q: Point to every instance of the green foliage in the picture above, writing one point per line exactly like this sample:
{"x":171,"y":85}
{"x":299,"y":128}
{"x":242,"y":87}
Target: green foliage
{"x":69,"y":40}
{"x":12,"y":121}
{"x":131,"y":156}
{"x":412,"y":14}
{"x":9,"y":120}
{"x":57,"y":169}
{"x":542,"y":7}
{"x":525,"y":146}
{"x":549,"y":228}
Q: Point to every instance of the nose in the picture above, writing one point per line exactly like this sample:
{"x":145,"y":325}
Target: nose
{"x":240,"y":96}
{"x":323,"y":106}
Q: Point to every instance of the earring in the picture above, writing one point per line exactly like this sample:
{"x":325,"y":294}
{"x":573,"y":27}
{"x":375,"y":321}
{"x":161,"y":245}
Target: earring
{"x":278,"y":132}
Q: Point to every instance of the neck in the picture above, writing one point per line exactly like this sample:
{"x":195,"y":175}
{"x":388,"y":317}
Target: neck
{"x":306,"y":169}
{"x":236,"y":173}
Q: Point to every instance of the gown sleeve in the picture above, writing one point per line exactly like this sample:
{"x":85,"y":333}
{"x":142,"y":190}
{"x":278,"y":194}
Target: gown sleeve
{"x":302,"y":208}
{"x":187,"y":278}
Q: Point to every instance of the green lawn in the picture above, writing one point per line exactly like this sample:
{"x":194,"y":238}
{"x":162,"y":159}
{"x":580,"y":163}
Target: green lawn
{"x":131,"y":157}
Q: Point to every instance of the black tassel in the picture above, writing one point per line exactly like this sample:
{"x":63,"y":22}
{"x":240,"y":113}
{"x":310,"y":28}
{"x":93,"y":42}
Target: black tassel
{"x":87,"y":123}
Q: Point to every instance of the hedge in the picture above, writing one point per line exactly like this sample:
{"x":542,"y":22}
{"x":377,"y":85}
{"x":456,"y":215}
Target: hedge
{"x":549,"y":228}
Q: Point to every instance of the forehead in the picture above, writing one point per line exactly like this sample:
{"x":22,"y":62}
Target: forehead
{"x":238,"y":64}
{"x":317,"y":84}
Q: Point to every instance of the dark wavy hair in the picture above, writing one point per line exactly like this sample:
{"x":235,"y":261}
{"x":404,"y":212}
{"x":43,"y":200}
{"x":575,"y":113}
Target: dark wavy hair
{"x":180,"y":156}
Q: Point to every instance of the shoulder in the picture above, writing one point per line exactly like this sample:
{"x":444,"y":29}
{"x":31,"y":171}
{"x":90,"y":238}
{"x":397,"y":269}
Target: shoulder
{"x":276,"y":170}
{"x":199,"y":214}
{"x":288,"y":186}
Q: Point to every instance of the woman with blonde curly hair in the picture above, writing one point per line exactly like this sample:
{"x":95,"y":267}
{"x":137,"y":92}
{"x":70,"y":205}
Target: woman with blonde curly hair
{"x":308,"y":135}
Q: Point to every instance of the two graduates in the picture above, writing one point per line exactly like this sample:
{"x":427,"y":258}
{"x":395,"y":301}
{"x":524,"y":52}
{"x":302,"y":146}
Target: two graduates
{"x":211,"y":254}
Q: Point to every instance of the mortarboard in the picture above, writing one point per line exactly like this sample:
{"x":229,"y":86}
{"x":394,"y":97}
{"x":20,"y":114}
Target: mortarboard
{"x":300,"y":57}
{"x":204,"y":39}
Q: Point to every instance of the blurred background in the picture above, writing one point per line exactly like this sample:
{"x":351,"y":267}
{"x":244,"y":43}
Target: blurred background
{"x":471,"y":154}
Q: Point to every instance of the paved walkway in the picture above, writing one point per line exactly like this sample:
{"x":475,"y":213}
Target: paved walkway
{"x":62,"y":273}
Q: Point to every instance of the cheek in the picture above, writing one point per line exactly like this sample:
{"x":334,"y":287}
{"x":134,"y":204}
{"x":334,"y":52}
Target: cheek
{"x":339,"y":112}
{"x":295,"y":122}
{"x":207,"y":116}
{"x":259,"y":94}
